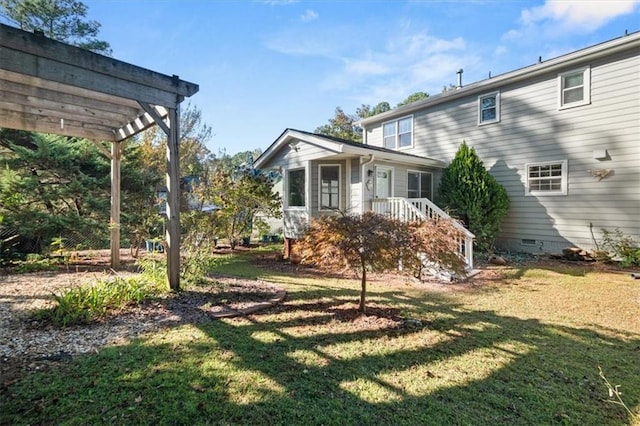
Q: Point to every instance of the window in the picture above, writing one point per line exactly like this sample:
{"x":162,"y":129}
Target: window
{"x":329,"y":187}
{"x":419,"y":185}
{"x":489,"y":108}
{"x":548,"y":178}
{"x":398,"y":134}
{"x":575,"y":88}
{"x":296,"y":188}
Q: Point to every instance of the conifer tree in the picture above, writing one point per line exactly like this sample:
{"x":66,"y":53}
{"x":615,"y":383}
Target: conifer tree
{"x":471,"y":194}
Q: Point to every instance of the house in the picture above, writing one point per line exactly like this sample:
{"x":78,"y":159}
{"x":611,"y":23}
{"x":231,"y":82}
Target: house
{"x":562,"y":136}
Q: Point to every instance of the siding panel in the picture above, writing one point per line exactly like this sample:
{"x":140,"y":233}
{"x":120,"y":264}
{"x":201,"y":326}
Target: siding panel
{"x":533,"y":129}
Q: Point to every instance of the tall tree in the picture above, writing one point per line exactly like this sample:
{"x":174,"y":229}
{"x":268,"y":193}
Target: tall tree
{"x":365,"y":111}
{"x":413,"y":98}
{"x":342,"y":126}
{"x":62,"y":20}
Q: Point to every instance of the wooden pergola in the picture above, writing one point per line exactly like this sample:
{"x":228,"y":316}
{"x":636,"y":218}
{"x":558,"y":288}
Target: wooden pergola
{"x":52,"y":87}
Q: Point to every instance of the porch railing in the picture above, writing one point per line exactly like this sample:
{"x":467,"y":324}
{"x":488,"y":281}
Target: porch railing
{"x":417,"y":209}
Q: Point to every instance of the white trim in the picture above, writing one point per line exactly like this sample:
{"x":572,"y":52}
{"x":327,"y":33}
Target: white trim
{"x":285,"y":179}
{"x":576,"y":58}
{"x":420,"y":172}
{"x":495,"y":94}
{"x":586,"y":85}
{"x":396,"y":135}
{"x":564,"y":174}
{"x":340,"y":181}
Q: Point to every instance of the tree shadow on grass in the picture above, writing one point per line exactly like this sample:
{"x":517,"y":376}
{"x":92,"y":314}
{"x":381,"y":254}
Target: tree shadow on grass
{"x":304,"y":363}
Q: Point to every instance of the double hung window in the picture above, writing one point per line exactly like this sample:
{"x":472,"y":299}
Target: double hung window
{"x":489,"y":108}
{"x":575,"y":88}
{"x":398,"y":133}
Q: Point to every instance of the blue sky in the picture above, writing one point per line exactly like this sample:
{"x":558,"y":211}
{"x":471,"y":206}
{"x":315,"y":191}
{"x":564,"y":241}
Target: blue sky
{"x":266,"y":65}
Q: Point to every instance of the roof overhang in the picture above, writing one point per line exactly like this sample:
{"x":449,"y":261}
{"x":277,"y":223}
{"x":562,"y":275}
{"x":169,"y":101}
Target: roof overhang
{"x":334,"y":148}
{"x":52,"y":87}
{"x":573,"y":59}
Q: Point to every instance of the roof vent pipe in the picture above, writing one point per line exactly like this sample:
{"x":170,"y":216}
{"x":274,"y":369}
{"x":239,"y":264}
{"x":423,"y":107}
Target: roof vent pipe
{"x":460,"y":71}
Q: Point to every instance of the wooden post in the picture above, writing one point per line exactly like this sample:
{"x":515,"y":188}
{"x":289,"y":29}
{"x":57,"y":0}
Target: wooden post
{"x":173,"y":200}
{"x":114,"y":222}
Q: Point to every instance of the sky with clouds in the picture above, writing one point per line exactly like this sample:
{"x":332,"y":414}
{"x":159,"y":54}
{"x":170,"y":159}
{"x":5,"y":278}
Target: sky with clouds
{"x":266,"y":65}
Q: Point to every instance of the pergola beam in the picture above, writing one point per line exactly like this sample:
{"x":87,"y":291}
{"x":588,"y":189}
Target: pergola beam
{"x":52,"y":87}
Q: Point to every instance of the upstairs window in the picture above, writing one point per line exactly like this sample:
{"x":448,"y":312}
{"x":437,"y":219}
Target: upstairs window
{"x":296,"y":194}
{"x":329,"y":187}
{"x":489,"y":108}
{"x":575,"y":88}
{"x":419,"y":185}
{"x":548,"y":178}
{"x":398,"y":134}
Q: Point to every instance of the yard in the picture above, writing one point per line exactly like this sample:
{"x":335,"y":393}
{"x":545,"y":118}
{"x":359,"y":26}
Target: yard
{"x":520,"y":344}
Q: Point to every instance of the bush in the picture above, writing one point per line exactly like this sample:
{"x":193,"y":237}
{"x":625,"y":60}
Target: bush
{"x":86,"y":304}
{"x":623,"y":247}
{"x":469,"y":192}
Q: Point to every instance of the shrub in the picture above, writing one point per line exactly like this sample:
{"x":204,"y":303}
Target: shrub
{"x":89,"y":303}
{"x":469,"y":192}
{"x":367,"y":242}
{"x":623,"y":247}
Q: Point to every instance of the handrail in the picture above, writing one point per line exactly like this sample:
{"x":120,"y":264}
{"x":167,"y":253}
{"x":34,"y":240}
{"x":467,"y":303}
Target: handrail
{"x":408,"y":210}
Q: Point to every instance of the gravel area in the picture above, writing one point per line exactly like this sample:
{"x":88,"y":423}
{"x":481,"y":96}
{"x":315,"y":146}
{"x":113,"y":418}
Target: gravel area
{"x":27,"y":345}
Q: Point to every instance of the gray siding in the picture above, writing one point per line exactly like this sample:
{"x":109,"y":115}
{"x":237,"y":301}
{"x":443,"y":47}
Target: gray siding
{"x":533,"y":129}
{"x":355,"y":187}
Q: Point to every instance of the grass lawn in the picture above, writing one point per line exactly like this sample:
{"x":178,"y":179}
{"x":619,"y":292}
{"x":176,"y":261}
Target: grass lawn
{"x":521,"y":346}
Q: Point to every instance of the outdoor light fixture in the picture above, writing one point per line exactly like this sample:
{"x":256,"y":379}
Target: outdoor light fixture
{"x":369,"y":172}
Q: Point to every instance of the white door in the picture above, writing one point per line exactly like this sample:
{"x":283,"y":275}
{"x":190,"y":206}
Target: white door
{"x":383,"y":182}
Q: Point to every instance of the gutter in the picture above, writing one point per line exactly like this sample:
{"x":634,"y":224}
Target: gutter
{"x":607,"y":48}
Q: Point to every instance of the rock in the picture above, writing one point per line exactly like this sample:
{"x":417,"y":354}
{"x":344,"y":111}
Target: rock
{"x":497,"y":260}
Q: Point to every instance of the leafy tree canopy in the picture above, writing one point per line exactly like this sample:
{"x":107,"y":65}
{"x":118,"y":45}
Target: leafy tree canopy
{"x":343,"y":126}
{"x":62,"y":20}
{"x":240,"y":192}
{"x":413,"y":98}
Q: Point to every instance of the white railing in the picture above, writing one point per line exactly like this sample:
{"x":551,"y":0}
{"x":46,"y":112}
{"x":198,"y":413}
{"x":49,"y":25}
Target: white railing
{"x":408,"y":210}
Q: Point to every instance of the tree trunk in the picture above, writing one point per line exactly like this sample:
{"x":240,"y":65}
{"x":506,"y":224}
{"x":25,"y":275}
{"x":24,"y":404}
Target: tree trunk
{"x":363,"y":292}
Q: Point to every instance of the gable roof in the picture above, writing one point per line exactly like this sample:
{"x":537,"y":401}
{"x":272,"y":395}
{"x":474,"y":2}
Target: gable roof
{"x":576,"y":58}
{"x":342,"y":146}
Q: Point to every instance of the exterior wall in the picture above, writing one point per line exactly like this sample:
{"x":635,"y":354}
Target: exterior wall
{"x":310,"y":157}
{"x":355,"y":187}
{"x":533,"y":129}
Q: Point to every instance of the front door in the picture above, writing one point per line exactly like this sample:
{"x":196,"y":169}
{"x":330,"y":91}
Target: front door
{"x":383,"y":182}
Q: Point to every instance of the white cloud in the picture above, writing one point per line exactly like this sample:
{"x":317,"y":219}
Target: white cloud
{"x":364,"y":67}
{"x":403,"y":65}
{"x":556,"y":17}
{"x":309,"y":15}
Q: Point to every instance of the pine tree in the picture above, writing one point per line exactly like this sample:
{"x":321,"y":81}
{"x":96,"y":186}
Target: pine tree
{"x":471,"y":194}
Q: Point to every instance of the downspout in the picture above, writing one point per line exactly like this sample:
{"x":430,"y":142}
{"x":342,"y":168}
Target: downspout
{"x":364,"y":176}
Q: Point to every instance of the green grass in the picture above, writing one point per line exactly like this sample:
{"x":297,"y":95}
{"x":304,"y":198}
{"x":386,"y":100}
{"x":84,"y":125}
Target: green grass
{"x":521,"y":349}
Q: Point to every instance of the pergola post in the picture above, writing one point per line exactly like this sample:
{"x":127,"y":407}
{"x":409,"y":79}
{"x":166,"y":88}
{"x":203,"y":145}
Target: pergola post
{"x":173,"y":199}
{"x":114,"y":222}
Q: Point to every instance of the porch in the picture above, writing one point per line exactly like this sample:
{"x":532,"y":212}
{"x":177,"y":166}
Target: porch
{"x":419,"y":209}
